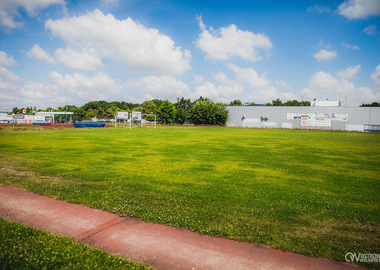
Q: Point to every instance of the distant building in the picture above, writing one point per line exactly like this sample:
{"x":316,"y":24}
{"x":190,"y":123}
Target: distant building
{"x":324,"y":103}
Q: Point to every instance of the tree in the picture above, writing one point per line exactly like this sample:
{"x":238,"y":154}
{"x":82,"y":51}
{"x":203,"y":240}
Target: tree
{"x":183,"y":107}
{"x":15,"y":110}
{"x":100,"y":113}
{"x":236,"y":102}
{"x":158,"y":102}
{"x":148,"y":107}
{"x":113,"y":110}
{"x":167,"y":112}
{"x":181,"y":116}
{"x":277,"y":102}
{"x":296,"y":103}
{"x":79,"y":114}
{"x":90,"y":113}
{"x":373,"y":104}
{"x":206,"y":112}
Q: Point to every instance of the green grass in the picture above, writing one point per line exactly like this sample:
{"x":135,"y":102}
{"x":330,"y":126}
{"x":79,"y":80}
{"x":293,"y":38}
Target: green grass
{"x":23,"y":247}
{"x":309,"y":192}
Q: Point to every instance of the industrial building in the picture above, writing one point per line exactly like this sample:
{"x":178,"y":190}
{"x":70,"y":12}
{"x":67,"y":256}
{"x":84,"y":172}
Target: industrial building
{"x":301,"y":117}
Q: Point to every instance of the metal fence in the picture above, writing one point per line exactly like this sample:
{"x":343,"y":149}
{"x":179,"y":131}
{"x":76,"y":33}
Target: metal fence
{"x":330,"y":118}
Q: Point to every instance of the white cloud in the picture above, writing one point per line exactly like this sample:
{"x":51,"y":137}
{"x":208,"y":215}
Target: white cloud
{"x":86,"y":88}
{"x":370,"y":29}
{"x":249,"y":76}
{"x":223,"y":90}
{"x":318,"y":9}
{"x":350,"y":72}
{"x":139,"y":47}
{"x":8,"y":76}
{"x":6,"y":60}
{"x":37,"y":53}
{"x":376,"y":76}
{"x":323,"y":85}
{"x":359,"y":9}
{"x":282,"y":84}
{"x":83,"y":60}
{"x":163,"y":87}
{"x":9,"y":9}
{"x":268,"y":94}
{"x":261,"y":89}
{"x":231,"y":42}
{"x":323,"y":55}
{"x":354,"y":47}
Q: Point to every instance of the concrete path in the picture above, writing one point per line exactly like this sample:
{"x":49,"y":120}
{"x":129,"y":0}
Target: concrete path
{"x":160,"y":246}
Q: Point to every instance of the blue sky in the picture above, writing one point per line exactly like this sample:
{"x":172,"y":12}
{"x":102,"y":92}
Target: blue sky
{"x":134,"y":51}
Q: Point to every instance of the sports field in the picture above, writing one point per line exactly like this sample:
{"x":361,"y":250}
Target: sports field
{"x":311,"y":192}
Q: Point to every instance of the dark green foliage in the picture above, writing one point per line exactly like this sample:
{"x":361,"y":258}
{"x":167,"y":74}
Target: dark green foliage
{"x":236,"y":102}
{"x":22,"y":247}
{"x":206,"y":112}
{"x":167,"y":112}
{"x":373,"y":104}
{"x":181,"y":116}
{"x":296,"y":103}
{"x":149,"y":107}
{"x":79,"y":114}
{"x":277,"y":102}
{"x":183,"y":107}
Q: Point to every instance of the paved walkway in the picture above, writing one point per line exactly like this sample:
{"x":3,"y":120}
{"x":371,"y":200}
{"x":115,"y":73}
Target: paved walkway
{"x":160,"y":246}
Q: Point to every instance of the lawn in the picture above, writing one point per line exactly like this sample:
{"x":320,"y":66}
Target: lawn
{"x":22,"y":247}
{"x":310,"y":192}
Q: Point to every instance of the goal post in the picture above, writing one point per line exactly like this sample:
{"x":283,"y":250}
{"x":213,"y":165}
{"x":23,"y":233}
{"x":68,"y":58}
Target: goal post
{"x":149,"y":119}
{"x":121,"y":116}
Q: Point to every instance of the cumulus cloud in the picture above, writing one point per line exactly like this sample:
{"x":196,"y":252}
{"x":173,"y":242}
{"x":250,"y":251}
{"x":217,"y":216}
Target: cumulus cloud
{"x":230,"y":42}
{"x":224,"y":90}
{"x":138,"y":47}
{"x":78,"y":59}
{"x":324,"y":85}
{"x":71,"y":58}
{"x":282,"y":84}
{"x":350,"y":72}
{"x":37,"y":53}
{"x":323,"y":55}
{"x":86,"y":88}
{"x":6,"y":60}
{"x":163,"y":87}
{"x":261,"y":89}
{"x":370,"y":29}
{"x":9,"y":9}
{"x":8,"y":76}
{"x":249,"y":76}
{"x":359,"y":9}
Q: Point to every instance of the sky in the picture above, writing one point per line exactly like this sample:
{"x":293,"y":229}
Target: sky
{"x":58,"y":51}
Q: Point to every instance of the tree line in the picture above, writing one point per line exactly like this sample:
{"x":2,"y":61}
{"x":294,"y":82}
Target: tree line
{"x":201,"y":111}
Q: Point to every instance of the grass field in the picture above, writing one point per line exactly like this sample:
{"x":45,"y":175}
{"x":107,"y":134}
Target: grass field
{"x":314,"y":193}
{"x":22,"y":247}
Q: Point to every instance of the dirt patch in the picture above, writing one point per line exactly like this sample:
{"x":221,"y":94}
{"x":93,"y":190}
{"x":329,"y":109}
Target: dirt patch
{"x":28,"y":175}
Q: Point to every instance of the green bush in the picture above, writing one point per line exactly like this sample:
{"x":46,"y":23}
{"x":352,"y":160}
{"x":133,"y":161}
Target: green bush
{"x":206,"y":112}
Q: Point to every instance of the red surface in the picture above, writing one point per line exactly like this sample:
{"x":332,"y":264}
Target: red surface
{"x":157,"y":245}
